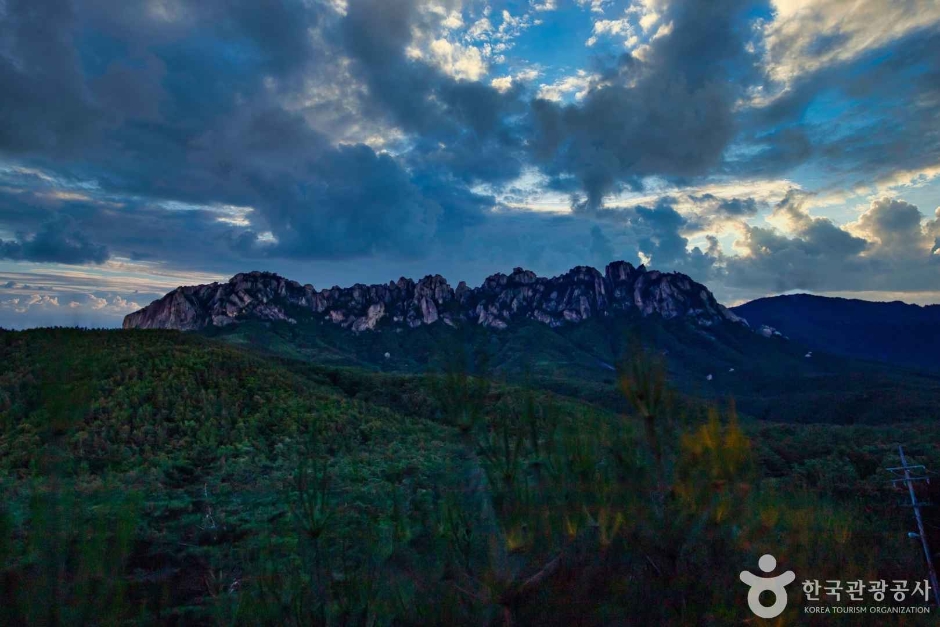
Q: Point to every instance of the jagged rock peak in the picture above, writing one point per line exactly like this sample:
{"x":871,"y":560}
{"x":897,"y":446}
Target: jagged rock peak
{"x":579,"y":294}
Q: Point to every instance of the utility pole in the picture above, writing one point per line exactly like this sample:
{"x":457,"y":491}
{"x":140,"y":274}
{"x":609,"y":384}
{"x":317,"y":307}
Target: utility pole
{"x":909,"y":481}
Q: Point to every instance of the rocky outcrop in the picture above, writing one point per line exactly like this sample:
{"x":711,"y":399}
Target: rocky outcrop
{"x":259,"y":295}
{"x":579,"y":294}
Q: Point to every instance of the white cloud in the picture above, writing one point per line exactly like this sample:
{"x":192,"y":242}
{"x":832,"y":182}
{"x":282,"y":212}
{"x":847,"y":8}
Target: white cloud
{"x":494,"y":41}
{"x":453,"y":21}
{"x":596,"y":6}
{"x":891,"y":184}
{"x":462,"y":62}
{"x":502,"y":84}
{"x":905,"y":178}
{"x":97,"y":303}
{"x":340,"y":6}
{"x":505,"y":83}
{"x":115,"y":276}
{"x":117,"y":305}
{"x":664,"y":30}
{"x":481,"y":29}
{"x":897,"y":228}
{"x":466,"y":52}
{"x":642,"y":52}
{"x":511,"y":26}
{"x":529,"y":74}
{"x":648,"y":20}
{"x":43,"y":300}
{"x":44,"y":309}
{"x":544,"y":5}
{"x":120,"y":304}
{"x":35,"y":301}
{"x":806,"y":35}
{"x":610,"y":28}
{"x":578,"y":84}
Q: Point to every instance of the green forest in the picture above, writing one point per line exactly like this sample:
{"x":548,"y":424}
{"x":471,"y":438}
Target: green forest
{"x":154,"y":477}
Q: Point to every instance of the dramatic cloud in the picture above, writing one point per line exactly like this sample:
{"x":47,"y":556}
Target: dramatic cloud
{"x":865,"y":121}
{"x":579,"y":84}
{"x":728,"y":207}
{"x":44,"y":99}
{"x":611,"y":28}
{"x":356,"y":140}
{"x":895,"y":226}
{"x":806,"y":35}
{"x":56,"y":242}
{"x":889,"y":245}
{"x":669,"y":114}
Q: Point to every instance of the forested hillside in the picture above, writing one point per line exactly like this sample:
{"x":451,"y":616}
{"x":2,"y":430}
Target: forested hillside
{"x":770,"y":377}
{"x":169,"y":478}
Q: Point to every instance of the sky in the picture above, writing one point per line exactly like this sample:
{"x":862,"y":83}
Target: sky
{"x":759,"y":147}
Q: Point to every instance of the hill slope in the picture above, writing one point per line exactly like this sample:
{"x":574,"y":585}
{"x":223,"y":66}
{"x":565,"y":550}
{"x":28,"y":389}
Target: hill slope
{"x":895,"y":332}
{"x":194,"y":444}
{"x":567,"y":333}
{"x":771,"y":378}
{"x":155,"y":477}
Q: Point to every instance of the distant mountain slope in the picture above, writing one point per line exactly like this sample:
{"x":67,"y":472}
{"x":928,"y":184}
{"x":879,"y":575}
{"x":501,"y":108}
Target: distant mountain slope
{"x":503,"y":300}
{"x":566,"y":334}
{"x":895,"y":332}
{"x":769,"y":377}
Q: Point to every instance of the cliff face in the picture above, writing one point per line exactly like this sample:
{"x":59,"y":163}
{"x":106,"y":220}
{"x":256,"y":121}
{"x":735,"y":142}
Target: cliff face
{"x":579,"y":294}
{"x":251,"y":295}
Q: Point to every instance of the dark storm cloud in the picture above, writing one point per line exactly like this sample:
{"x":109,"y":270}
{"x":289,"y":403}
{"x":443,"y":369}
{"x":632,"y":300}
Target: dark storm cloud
{"x":727,"y":207}
{"x":180,"y":238}
{"x":44,"y":101}
{"x":670,"y":115}
{"x":164,"y":122}
{"x":660,"y":232}
{"x":56,"y":241}
{"x":601,"y":250}
{"x":415,"y":95}
{"x":193,"y":111}
{"x":72,"y":71}
{"x":365,"y":204}
{"x":376,"y":32}
{"x":656,"y":233}
{"x":661,"y":226}
{"x":463,"y":127}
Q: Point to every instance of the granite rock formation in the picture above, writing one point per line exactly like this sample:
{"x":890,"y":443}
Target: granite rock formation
{"x":579,"y":294}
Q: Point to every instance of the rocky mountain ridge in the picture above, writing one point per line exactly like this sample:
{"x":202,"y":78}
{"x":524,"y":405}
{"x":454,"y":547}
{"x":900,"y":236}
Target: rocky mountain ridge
{"x":581,"y":293}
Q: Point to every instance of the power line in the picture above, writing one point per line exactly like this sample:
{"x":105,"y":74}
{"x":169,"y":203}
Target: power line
{"x":909,"y":481}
